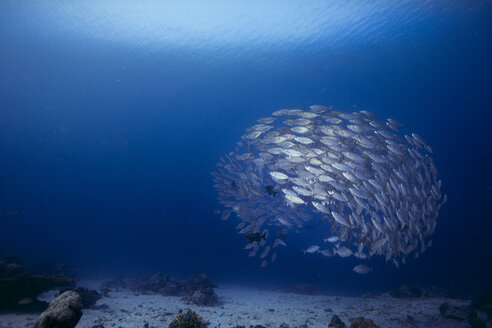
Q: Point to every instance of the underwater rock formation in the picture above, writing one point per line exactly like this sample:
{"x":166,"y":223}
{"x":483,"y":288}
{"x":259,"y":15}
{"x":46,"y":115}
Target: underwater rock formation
{"x":362,"y":322}
{"x":336,"y":322}
{"x":446,"y":291}
{"x":359,"y":322}
{"x":19,"y":289}
{"x":415,"y":291}
{"x":51,"y":268}
{"x":201,"y":298}
{"x":152,"y":285}
{"x":188,"y":319}
{"x":89,"y":297}
{"x":367,"y":187}
{"x":64,"y":311}
{"x":156,"y":284}
{"x":197,"y":290}
{"x":460,"y":313}
{"x":483,"y":303}
{"x":478,"y":314}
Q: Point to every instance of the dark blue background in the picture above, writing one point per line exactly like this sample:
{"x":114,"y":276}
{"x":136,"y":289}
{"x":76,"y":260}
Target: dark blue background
{"x":107,"y":147}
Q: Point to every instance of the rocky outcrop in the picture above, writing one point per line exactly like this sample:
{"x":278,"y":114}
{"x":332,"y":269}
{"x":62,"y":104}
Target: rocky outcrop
{"x":189,"y":319}
{"x":336,"y":322}
{"x":447,"y":291}
{"x":415,"y":291}
{"x":359,"y":322}
{"x":362,"y":322}
{"x":156,"y":284}
{"x":197,"y":290}
{"x":478,"y":314}
{"x":51,"y":268}
{"x":459,"y":313}
{"x":201,"y":299}
{"x":19,"y":289}
{"x":63,"y":312}
{"x":89,"y":296}
{"x":483,"y":304}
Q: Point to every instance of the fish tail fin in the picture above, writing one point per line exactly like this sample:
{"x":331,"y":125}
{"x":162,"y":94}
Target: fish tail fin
{"x":263,"y":236}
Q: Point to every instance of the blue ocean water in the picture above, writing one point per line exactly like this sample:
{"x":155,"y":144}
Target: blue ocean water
{"x":113,"y":114}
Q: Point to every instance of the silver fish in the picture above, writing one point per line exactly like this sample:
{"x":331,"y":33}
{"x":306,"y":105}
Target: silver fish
{"x":344,"y":252}
{"x":340,"y":219}
{"x":377,"y":189}
{"x":362,"y":269}
{"x":332,"y":239}
{"x":312,"y":249}
{"x":327,"y":252}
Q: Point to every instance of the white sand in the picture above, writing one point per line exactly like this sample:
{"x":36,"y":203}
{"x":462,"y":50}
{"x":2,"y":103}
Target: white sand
{"x":247,"y":306}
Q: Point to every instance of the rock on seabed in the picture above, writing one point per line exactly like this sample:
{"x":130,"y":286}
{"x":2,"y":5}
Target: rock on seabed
{"x":63,"y":312}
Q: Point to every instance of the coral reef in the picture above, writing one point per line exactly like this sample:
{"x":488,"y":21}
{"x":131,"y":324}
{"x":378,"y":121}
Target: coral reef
{"x":362,"y":322}
{"x":447,"y":291}
{"x":415,"y":291}
{"x":483,"y":304}
{"x":63,"y":312}
{"x":189,"y":319}
{"x":156,"y":284}
{"x":460,"y":313}
{"x":197,"y":290}
{"x":50,"y":268}
{"x":20,"y":289}
{"x":359,"y":322}
{"x":336,"y":322}
{"x":478,"y":313}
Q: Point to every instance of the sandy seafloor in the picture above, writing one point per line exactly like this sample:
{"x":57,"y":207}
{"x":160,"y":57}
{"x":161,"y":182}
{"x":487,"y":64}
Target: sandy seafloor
{"x":248,"y":306}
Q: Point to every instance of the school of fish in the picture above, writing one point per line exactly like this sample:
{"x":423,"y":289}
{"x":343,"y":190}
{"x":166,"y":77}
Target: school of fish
{"x":371,"y":189}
